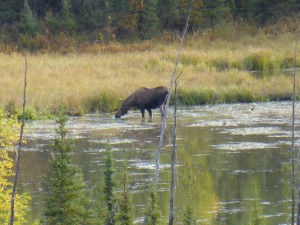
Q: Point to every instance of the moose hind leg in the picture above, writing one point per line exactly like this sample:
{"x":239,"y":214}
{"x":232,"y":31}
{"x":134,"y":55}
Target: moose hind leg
{"x":150,"y":112}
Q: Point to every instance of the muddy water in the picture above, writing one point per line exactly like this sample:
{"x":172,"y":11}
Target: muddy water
{"x":232,"y":159}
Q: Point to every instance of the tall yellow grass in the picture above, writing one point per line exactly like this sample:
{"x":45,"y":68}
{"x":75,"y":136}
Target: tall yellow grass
{"x":81,"y":82}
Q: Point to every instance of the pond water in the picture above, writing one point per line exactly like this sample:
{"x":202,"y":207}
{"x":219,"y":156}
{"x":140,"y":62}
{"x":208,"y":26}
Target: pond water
{"x":230,"y":158}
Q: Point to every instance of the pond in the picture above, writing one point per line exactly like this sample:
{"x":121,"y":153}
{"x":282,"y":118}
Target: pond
{"x":231,"y":159}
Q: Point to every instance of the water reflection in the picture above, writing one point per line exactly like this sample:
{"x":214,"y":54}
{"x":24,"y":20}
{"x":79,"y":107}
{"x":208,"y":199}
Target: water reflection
{"x":230,"y":157}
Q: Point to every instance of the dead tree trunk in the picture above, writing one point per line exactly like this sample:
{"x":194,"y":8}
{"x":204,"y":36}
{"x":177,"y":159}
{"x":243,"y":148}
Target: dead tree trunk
{"x":12,"y":210}
{"x":164,"y":119}
{"x":173,"y":157}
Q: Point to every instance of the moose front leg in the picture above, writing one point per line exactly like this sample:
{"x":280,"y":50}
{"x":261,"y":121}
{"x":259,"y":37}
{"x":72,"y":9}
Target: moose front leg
{"x":143,"y":112}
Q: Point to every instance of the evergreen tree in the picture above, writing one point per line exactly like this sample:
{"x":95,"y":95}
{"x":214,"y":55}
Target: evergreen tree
{"x":130,"y":21}
{"x":152,"y":213}
{"x":86,"y":14}
{"x":150,"y":21}
{"x":243,"y":10}
{"x":263,"y":11}
{"x":103,"y":8}
{"x":61,"y":22}
{"x":28,"y":23}
{"x":125,"y":213}
{"x":109,"y":183}
{"x":52,"y":23}
{"x":7,"y":12}
{"x":168,"y":13}
{"x":196,"y":19}
{"x":214,"y":11}
{"x":124,"y":17}
{"x":66,"y":201}
{"x":117,"y":9}
{"x":68,"y":21}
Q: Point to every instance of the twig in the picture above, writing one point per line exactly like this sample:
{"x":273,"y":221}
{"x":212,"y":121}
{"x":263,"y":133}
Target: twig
{"x":12,"y":210}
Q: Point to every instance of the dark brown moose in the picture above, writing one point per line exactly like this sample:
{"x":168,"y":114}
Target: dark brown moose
{"x":144,"y":99}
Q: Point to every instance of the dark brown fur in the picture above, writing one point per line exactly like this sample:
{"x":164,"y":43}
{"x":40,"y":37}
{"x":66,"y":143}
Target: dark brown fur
{"x":144,"y":99}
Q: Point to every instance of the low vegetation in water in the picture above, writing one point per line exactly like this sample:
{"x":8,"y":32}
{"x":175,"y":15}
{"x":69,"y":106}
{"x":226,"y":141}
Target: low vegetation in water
{"x":217,"y":67}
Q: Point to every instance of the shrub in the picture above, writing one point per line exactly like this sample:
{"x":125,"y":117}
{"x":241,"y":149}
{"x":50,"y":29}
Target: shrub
{"x":9,"y":133}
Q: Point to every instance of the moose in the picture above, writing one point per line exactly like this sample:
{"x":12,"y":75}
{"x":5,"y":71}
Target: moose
{"x":145,"y":99}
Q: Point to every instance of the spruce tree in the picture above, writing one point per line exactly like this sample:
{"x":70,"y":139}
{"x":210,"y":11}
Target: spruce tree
{"x":68,"y":21}
{"x":66,"y":201}
{"x":215,"y":10}
{"x":263,"y":11}
{"x":7,"y":12}
{"x":168,"y":13}
{"x":86,"y":15}
{"x":125,"y":213}
{"x":150,"y":21}
{"x":196,"y":19}
{"x":153,"y":213}
{"x":28,"y":23}
{"x":109,"y":182}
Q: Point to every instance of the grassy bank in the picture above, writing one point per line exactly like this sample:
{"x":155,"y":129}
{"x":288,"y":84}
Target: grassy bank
{"x":215,"y":70}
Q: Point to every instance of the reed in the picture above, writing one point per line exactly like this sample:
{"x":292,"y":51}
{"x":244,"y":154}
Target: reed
{"x":215,"y":70}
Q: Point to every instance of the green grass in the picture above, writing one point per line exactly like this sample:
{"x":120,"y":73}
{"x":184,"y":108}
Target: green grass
{"x":214,"y":70}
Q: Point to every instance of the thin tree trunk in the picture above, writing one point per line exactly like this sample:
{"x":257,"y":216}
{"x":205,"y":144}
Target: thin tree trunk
{"x":163,"y":123}
{"x":293,"y":143}
{"x":12,"y":210}
{"x":293,"y":146}
{"x":173,"y":156}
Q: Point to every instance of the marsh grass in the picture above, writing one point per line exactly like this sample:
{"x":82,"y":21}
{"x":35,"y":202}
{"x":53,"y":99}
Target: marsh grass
{"x":215,"y":70}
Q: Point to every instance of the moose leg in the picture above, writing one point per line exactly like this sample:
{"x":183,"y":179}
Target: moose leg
{"x":150,"y":112}
{"x":143,"y":112}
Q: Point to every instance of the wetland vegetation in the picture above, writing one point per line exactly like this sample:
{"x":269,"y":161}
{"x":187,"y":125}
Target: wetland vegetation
{"x":218,"y":67}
